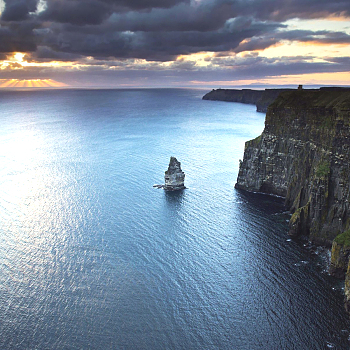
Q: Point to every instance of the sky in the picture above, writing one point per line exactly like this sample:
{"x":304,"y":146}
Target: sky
{"x":174,"y":43}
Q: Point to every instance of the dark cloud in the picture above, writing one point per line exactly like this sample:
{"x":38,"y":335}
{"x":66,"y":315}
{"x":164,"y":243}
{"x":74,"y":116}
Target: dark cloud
{"x":118,"y":32}
{"x":288,"y":66}
{"x":205,"y":17}
{"x":142,"y":4}
{"x":46,"y":54}
{"x":322,"y":37}
{"x":86,"y":12}
{"x":340,"y":60}
{"x":158,"y":45}
{"x":166,"y":42}
{"x":17,"y":25}
{"x":285,"y":9}
{"x":256,"y":43}
{"x":75,"y":12}
{"x":17,"y":38}
{"x":262,"y":67}
{"x":271,"y":39}
{"x":170,"y":28}
{"x":164,"y":46}
{"x":18,"y":10}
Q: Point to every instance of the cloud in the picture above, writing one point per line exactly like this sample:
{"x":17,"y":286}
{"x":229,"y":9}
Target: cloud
{"x":46,"y":54}
{"x":18,"y":10}
{"x":262,"y":67}
{"x":285,"y":9}
{"x":340,"y":61}
{"x":3,"y":56}
{"x":87,"y":12}
{"x":275,"y":37}
{"x":75,"y":12}
{"x":118,"y":33}
{"x":127,"y":72}
{"x":321,"y":37}
{"x":159,"y":45}
{"x":141,"y":4}
{"x":158,"y":29}
{"x":17,"y":38}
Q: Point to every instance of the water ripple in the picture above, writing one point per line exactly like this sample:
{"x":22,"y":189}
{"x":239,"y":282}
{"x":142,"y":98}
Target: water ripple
{"x":93,"y":257}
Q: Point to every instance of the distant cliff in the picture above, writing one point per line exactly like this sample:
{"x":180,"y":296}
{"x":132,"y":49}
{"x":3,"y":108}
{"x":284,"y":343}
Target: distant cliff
{"x":303,"y":155}
{"x":261,"y":98}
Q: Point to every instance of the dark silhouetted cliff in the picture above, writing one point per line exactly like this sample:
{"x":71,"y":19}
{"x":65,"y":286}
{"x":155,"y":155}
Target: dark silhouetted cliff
{"x":261,"y":98}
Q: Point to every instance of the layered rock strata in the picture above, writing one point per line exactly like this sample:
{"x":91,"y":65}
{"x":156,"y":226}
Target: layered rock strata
{"x":303,"y":155}
{"x":174,"y":176}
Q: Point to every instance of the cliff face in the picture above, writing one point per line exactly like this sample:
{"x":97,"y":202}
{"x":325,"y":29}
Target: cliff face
{"x":260,"y":98}
{"x":303,"y":155}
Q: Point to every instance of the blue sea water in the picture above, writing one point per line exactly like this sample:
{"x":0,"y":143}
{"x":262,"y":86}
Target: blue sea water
{"x":93,"y":257}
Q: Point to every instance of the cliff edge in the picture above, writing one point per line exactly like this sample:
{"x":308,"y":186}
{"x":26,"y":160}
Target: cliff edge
{"x":260,"y":98}
{"x":303,"y":155}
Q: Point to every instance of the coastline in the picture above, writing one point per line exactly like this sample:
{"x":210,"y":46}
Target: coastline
{"x":302,"y":156}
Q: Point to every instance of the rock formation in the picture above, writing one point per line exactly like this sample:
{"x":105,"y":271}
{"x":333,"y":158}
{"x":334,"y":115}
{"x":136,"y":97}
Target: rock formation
{"x":261,"y":98}
{"x":174,"y":176}
{"x":303,"y":155}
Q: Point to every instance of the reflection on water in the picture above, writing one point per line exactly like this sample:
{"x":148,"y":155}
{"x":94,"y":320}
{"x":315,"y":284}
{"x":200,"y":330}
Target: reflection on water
{"x":261,"y":202}
{"x":175,"y":198}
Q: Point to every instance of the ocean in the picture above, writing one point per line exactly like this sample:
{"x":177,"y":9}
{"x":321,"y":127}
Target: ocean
{"x":92,"y":256}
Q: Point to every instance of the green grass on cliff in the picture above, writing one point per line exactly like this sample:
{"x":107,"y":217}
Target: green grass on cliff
{"x":254,"y":142}
{"x":343,"y":239}
{"x":306,"y":99}
{"x":323,"y":169}
{"x":309,"y":115}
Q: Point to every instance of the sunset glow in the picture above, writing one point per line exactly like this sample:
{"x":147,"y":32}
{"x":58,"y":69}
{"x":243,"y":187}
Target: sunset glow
{"x":173,"y":43}
{"x":30,"y":83}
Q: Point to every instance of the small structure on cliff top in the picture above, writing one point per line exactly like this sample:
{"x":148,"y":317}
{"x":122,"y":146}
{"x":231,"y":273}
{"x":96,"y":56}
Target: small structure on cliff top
{"x":174,"y":177}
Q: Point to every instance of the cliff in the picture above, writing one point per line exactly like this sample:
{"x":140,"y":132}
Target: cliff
{"x":261,"y":98}
{"x":303,"y":155}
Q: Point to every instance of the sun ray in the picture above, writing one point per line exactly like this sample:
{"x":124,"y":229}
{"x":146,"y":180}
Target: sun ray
{"x":31,"y":83}
{"x":7,"y":83}
{"x":13,"y":82}
{"x":41,"y":83}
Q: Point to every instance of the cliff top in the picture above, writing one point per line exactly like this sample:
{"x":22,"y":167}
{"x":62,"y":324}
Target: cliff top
{"x":329,"y":98}
{"x":261,"y":98}
{"x":309,"y":115}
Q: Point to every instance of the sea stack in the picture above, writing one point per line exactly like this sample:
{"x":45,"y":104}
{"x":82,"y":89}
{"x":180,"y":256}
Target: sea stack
{"x":174,"y":176}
